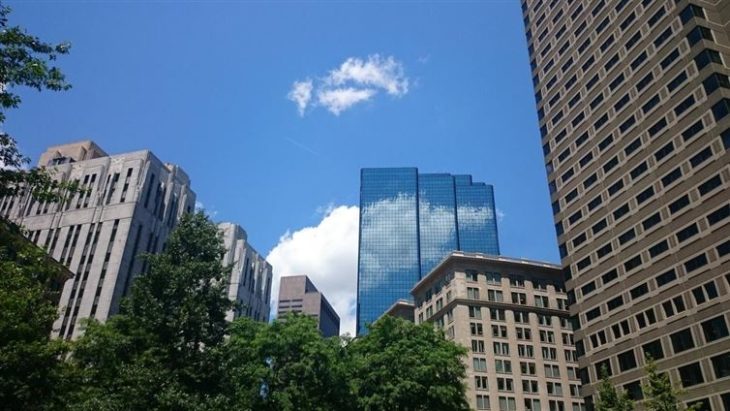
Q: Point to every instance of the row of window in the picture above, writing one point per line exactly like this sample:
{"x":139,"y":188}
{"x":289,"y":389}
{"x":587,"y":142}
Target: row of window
{"x":711,"y":330}
{"x":587,"y":64}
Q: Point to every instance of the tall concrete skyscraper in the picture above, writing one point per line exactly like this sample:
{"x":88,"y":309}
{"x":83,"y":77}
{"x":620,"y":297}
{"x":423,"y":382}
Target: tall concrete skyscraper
{"x":633,"y":101}
{"x":251,"y":275}
{"x":408,"y":223}
{"x":131,"y":203}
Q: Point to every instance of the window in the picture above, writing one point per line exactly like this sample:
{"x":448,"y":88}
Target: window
{"x":495,"y":295}
{"x":692,"y":130}
{"x":627,"y":236}
{"x":684,"y":105}
{"x":588,"y":288}
{"x":706,"y":57}
{"x":645,"y":195}
{"x":603,"y":368}
{"x":662,"y":37}
{"x":507,"y":404}
{"x":658,"y":248}
{"x":633,"y":389}
{"x":519,"y":298}
{"x":528,"y":368}
{"x":638,"y":170}
{"x":715,"y":81}
{"x":718,"y":215}
{"x":645,"y":81}
{"x":695,"y":263}
{"x":480,"y":364}
{"x":682,"y":340}
{"x":614,"y":303}
{"x":593,"y":314}
{"x":651,"y":221}
{"x":614,"y":188}
{"x":552,"y":371}
{"x":715,"y":328}
{"x":480,"y":382}
{"x":669,"y":59}
{"x":627,"y":360}
{"x":721,"y":109}
{"x":666,"y":278}
{"x":472,"y":293}
{"x":657,"y":127}
{"x":477,"y":346}
{"x":705,"y":292}
{"x":496,"y":314}
{"x":677,"y":81}
{"x":721,"y":366}
{"x":664,"y":151}
{"x":475,"y":312}
{"x":645,"y":318}
{"x":639,"y":290}
{"x":604,"y":251}
{"x":675,"y":305}
{"x":709,"y":185}
{"x":523,"y":333}
{"x":549,"y":353}
{"x":524,"y":350}
{"x":679,"y":204}
{"x":653,"y":349}
{"x":476,"y":329}
{"x":521,"y":317}
{"x":494,"y":278}
{"x":687,"y":232}
{"x":505,"y":384}
{"x":699,"y":33}
{"x":621,"y":211}
{"x":482,"y":402}
{"x":671,"y":177}
{"x":690,"y":12}
{"x":599,"y":226}
{"x":515,"y":281}
{"x":691,"y":374}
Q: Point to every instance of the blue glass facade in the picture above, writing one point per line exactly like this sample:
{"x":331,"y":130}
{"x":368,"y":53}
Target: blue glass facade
{"x":408,"y":223}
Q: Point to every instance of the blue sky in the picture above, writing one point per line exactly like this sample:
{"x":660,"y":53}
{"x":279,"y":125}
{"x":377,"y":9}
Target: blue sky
{"x":205,"y":85}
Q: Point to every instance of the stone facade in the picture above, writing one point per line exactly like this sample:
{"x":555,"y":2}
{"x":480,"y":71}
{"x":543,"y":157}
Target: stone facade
{"x":251,"y":275}
{"x":511,"y":315}
{"x":131,"y":203}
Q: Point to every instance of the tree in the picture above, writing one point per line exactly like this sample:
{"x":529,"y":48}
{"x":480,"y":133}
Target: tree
{"x":286,"y":366}
{"x":30,"y":364}
{"x":609,"y":399}
{"x":25,"y":60}
{"x":659,"y":393}
{"x":159,"y":352}
{"x":402,"y":366}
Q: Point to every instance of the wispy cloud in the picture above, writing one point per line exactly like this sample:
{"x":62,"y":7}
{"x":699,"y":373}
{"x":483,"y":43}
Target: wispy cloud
{"x":301,"y":94}
{"x":355,"y":81}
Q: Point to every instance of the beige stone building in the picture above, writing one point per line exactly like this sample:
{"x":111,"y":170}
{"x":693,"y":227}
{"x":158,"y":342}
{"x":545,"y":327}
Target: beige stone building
{"x":131,"y":203}
{"x":297,"y":294}
{"x":251,"y":275}
{"x":633,"y":101}
{"x":511,"y":315}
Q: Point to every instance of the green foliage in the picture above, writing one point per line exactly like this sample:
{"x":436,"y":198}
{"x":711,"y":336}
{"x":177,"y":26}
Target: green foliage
{"x":25,"y":60}
{"x":30,"y":364}
{"x":659,"y":394}
{"x":402,"y":366}
{"x":609,"y":399}
{"x":159,"y":352}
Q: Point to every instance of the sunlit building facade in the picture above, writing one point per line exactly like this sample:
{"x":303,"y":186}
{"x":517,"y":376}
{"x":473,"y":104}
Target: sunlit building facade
{"x":633,"y":104}
{"x":408,"y":223}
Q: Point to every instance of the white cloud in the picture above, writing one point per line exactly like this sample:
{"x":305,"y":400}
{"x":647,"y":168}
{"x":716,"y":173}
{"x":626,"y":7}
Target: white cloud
{"x":301,"y":94}
{"x":327,"y":253}
{"x":340,"y":99}
{"x":385,"y":73}
{"x":356,"y":80}
{"x":500,"y":215}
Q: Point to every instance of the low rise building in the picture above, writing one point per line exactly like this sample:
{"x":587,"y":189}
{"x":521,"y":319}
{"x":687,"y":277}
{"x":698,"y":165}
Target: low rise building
{"x":511,"y":314}
{"x":297,"y":294}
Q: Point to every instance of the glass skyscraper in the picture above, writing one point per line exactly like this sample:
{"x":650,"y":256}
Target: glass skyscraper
{"x":408,"y":223}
